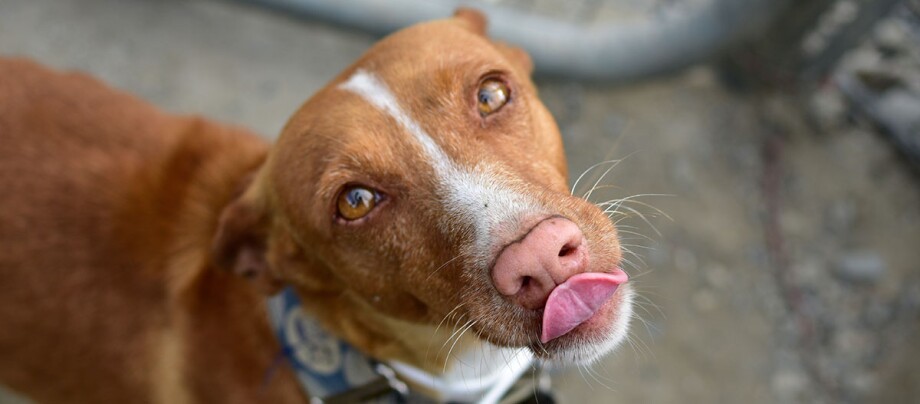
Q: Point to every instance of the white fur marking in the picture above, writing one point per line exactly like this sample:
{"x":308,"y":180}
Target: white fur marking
{"x":476,"y":196}
{"x":375,"y":92}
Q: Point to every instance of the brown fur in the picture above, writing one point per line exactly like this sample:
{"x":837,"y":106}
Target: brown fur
{"x":124,"y":230}
{"x":108,"y":205}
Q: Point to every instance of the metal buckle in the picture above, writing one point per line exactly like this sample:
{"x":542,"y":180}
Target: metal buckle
{"x":384,"y":385}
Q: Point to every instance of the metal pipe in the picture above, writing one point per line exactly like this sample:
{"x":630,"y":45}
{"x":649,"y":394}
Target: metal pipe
{"x":613,"y":52}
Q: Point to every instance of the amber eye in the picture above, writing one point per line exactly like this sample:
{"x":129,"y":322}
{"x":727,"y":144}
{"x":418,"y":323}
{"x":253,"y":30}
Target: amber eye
{"x":493,"y":94}
{"x":356,"y":202}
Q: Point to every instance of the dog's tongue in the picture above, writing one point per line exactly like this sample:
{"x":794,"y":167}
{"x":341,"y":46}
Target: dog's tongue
{"x":576,"y":300}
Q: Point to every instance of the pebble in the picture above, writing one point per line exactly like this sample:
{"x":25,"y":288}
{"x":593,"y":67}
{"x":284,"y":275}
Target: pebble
{"x":892,"y":33}
{"x":809,"y":270}
{"x":789,"y":383}
{"x":841,"y":215}
{"x":718,"y":276}
{"x":851,"y":344}
{"x":862,"y":382}
{"x":685,"y":260}
{"x":828,"y":108}
{"x":682,"y":173}
{"x":900,"y":109}
{"x":860,"y":267}
{"x":704,"y":300}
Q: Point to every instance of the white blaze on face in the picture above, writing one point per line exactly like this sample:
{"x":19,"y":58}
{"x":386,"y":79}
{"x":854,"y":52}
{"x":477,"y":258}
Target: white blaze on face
{"x":474,"y":195}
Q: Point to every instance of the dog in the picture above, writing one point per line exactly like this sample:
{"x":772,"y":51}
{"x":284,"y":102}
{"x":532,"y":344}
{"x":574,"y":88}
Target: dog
{"x":422,"y":192}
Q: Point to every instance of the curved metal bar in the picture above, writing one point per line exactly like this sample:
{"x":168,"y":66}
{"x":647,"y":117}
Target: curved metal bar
{"x":621,"y":51}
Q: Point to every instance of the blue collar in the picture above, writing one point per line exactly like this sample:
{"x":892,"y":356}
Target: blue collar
{"x":328,"y":368}
{"x":332,"y":371}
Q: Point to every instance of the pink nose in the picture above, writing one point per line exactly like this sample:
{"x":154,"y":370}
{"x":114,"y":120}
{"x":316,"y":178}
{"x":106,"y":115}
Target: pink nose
{"x":528,"y":270}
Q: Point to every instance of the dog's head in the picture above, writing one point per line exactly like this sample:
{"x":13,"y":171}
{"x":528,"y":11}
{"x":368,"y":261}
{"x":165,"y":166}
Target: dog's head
{"x":428,"y":184}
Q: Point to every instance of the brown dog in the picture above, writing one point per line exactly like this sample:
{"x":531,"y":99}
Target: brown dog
{"x":425,"y":185}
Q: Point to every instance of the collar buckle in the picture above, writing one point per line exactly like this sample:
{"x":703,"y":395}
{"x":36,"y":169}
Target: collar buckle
{"x":388,"y":384}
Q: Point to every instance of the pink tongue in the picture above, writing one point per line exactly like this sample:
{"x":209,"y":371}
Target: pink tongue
{"x":576,"y":300}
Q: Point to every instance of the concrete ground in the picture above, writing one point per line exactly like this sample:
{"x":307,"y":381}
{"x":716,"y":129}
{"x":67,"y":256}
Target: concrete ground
{"x":788,"y":270}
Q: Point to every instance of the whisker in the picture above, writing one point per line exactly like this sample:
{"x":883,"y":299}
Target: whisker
{"x":635,"y":349}
{"x":435,"y":332}
{"x":639,"y":274}
{"x":642,"y":216}
{"x":456,"y":332}
{"x":596,"y":379}
{"x":588,"y":194}
{"x":612,"y":166}
{"x":587,"y":170}
{"x":583,"y":377}
{"x":638,"y":246}
{"x":444,"y":265}
{"x":649,"y":302}
{"x":629,"y":263}
{"x":659,"y":211}
{"x":631,"y":197}
{"x":449,"y":351}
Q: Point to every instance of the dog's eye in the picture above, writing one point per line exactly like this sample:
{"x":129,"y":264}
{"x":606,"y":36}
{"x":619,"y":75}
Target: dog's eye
{"x":356,"y":202}
{"x":493,"y":94}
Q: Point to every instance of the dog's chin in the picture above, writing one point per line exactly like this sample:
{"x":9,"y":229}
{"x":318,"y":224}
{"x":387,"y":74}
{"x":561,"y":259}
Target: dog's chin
{"x":593,"y":339}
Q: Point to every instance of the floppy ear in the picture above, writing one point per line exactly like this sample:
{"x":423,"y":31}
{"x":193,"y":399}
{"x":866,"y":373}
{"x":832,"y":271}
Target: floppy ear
{"x":240,"y":244}
{"x":473,"y":19}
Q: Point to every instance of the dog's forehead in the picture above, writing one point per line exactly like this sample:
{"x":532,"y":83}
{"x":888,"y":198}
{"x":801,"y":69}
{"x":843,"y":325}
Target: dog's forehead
{"x":440,"y":54}
{"x":445,"y":41}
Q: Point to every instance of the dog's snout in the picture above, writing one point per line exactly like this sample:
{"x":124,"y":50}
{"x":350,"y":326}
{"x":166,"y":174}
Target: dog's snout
{"x":527,"y":271}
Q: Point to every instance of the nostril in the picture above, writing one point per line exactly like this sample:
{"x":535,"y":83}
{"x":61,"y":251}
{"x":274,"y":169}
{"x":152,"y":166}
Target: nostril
{"x":525,"y":282}
{"x":572,"y":259}
{"x":533,"y":292}
{"x":567,"y":250}
{"x":529,"y":269}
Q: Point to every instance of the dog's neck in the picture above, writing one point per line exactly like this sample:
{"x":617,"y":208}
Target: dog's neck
{"x":483,"y":373}
{"x":432,"y":348}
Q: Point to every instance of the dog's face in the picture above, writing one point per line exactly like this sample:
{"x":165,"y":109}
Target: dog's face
{"x":413,"y":179}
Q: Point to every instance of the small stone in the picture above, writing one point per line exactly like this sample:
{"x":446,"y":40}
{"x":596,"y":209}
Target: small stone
{"x":878,"y":314}
{"x":851,"y":342}
{"x":682,"y":172}
{"x":794,"y":223}
{"x":659,"y":257}
{"x":860,"y":267}
{"x":899,"y":109}
{"x":703,"y":300}
{"x":809,"y":270}
{"x":685,"y":260}
{"x":718,"y":276}
{"x":841,"y":215}
{"x":862,"y":382}
{"x":892,"y":33}
{"x":828,"y":108}
{"x":789,"y":383}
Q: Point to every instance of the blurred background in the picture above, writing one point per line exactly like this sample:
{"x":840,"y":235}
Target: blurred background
{"x":771,"y":148}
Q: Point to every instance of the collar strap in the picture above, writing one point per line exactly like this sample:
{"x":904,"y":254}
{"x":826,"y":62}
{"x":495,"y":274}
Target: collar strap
{"x":329,"y":369}
{"x":332,"y":371}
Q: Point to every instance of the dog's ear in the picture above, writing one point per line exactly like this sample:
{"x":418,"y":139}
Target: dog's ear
{"x":517,"y":56}
{"x":474,"y":20}
{"x":240,"y":244}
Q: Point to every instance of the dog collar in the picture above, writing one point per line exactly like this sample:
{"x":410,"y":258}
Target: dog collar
{"x":332,"y":371}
